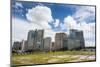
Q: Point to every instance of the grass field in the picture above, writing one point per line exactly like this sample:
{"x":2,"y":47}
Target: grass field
{"x":53,"y":57}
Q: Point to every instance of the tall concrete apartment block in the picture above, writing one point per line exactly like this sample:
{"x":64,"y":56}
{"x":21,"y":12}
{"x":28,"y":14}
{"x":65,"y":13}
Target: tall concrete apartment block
{"x":47,"y":44}
{"x":35,"y":40}
{"x":59,"y":41}
{"x":76,"y":39}
{"x":39,"y":40}
{"x":30,"y":40}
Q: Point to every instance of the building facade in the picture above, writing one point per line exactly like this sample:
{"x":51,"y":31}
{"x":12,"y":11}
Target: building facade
{"x":52,"y":48}
{"x":47,"y":44}
{"x":76,"y":40}
{"x":59,"y":41}
{"x":39,"y":40}
{"x":31,"y":40}
{"x":16,"y":46}
{"x":35,"y":40}
{"x":24,"y":46}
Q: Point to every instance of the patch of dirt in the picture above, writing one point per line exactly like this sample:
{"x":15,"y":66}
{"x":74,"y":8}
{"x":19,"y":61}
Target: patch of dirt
{"x":78,"y":58}
{"x":53,"y":60}
{"x":61,"y":56}
{"x":83,"y":57}
{"x":25,"y":61}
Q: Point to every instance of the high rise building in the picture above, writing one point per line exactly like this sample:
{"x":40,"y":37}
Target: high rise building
{"x":39,"y":40}
{"x":30,"y":40}
{"x":59,"y":41}
{"x":35,"y":40}
{"x":76,"y":39}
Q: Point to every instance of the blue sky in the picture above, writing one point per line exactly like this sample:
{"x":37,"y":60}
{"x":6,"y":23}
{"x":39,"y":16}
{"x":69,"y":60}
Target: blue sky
{"x":58,"y":11}
{"x":53,"y":18}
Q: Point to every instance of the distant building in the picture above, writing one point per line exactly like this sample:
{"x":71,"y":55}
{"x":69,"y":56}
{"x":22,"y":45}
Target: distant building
{"x":24,"y":46}
{"x":30,"y":40}
{"x":73,"y":44}
{"x":59,"y":41}
{"x":35,"y":40}
{"x":65,"y":44}
{"x":16,"y":46}
{"x":52,"y":47}
{"x":39,"y":40}
{"x":47,"y":44}
{"x":19,"y":46}
{"x":76,"y":40}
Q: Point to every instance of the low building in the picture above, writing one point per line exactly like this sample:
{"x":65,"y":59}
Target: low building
{"x":24,"y":46}
{"x":16,"y":46}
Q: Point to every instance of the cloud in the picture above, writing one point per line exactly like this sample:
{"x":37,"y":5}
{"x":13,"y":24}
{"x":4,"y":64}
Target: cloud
{"x":70,"y":23}
{"x":19,"y":4}
{"x":57,"y":22}
{"x":50,"y":33}
{"x":84,"y":13}
{"x":85,"y":16}
{"x":85,"y":20}
{"x":87,"y":28}
{"x":63,"y":26}
{"x":40,"y":15}
{"x":20,"y":29}
{"x":89,"y":33}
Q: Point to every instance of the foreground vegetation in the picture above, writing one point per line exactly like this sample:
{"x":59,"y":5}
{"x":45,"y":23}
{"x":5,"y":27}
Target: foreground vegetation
{"x":52,"y":57}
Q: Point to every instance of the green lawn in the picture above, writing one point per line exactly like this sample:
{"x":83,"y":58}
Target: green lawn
{"x":53,"y":57}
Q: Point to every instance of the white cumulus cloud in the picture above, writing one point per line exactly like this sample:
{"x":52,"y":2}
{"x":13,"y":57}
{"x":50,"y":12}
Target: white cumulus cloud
{"x":19,"y":4}
{"x":70,"y":22}
{"x":57,"y":22}
{"x":84,"y":12}
{"x":20,"y":29}
{"x":40,"y":15}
